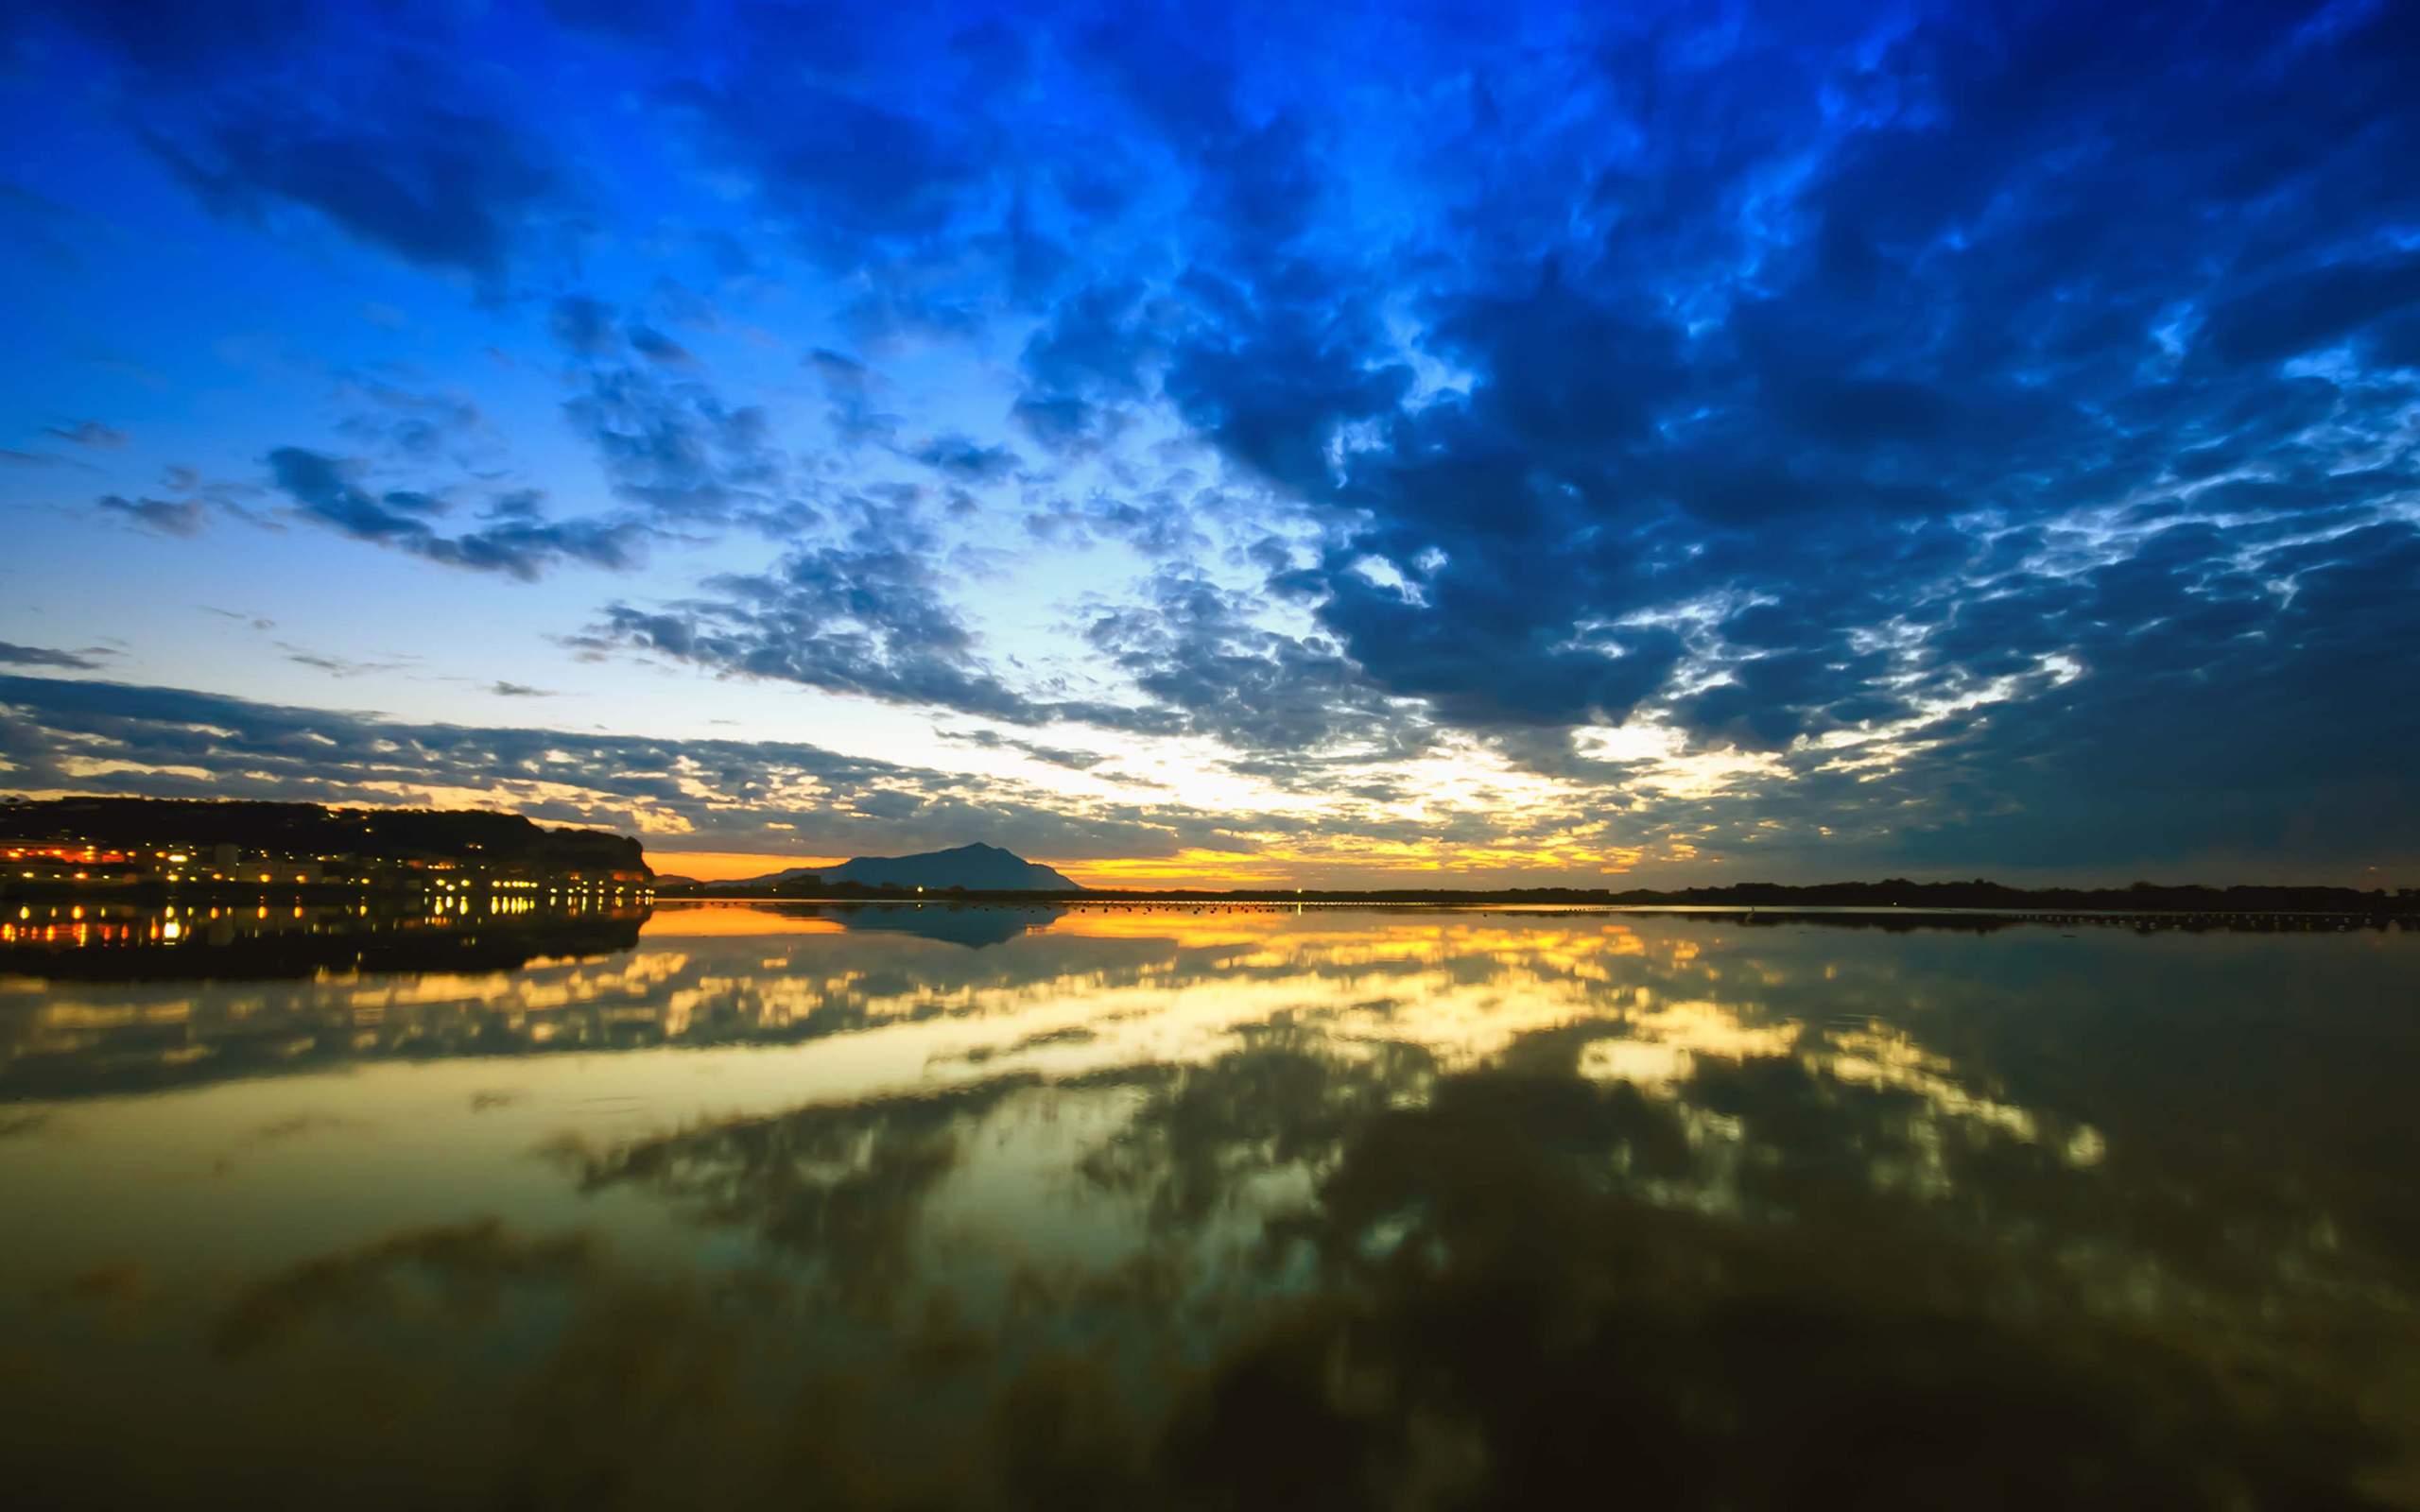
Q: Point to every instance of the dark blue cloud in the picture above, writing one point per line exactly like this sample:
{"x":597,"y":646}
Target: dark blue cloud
{"x":660,"y":349}
{"x":1782,"y":348}
{"x":360,"y":115}
{"x":326,"y":489}
{"x":1196,"y":650}
{"x":91,"y":433}
{"x":646,"y":20}
{"x":167,"y":517}
{"x":2266,"y":712}
{"x":676,"y":450}
{"x":672,"y":446}
{"x":966,"y":461}
{"x":37,"y":656}
{"x":855,"y":170}
{"x":865,"y":616}
{"x":2296,"y":312}
{"x":584,"y":326}
{"x":440,"y":189}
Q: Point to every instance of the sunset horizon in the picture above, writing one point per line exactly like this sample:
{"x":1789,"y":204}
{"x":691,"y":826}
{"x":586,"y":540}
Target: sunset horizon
{"x":1849,"y":445}
{"x":1174,"y":755}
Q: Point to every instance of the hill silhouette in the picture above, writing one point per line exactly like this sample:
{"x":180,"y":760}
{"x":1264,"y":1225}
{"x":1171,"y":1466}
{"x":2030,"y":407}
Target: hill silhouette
{"x":973,"y":868}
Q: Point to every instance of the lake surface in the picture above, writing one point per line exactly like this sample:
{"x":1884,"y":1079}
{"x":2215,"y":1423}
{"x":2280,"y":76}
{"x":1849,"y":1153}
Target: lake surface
{"x":888,"y":1206}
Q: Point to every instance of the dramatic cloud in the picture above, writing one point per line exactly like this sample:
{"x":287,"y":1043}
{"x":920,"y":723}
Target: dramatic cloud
{"x":1955,"y":436}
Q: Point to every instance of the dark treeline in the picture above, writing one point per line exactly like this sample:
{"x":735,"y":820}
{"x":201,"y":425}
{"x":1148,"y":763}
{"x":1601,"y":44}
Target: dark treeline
{"x":2141,"y":897}
{"x":314,"y":829}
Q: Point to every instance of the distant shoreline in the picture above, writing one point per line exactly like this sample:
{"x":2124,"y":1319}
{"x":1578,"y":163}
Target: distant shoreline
{"x":2392,"y":907}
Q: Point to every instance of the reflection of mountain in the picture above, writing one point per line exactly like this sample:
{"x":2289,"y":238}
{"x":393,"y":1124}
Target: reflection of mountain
{"x":974,"y":924}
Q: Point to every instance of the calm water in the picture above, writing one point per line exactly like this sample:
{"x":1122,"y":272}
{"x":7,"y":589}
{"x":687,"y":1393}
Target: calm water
{"x":895,"y":1208}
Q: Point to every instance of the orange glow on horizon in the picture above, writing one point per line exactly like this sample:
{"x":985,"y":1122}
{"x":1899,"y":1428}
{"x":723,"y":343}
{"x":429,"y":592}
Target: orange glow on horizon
{"x":1335,"y":863}
{"x":1201,"y":870}
{"x":727,"y":865}
{"x":678,"y":920}
{"x":1367,"y":865}
{"x":1383,"y":864}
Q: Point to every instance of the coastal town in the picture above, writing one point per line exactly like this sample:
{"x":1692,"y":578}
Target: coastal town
{"x":163,"y":847}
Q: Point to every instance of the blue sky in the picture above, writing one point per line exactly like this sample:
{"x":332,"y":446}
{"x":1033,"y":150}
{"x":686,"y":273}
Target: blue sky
{"x":1348,"y":445}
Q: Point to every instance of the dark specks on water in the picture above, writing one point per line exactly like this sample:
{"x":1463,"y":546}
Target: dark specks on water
{"x":785,"y":1206}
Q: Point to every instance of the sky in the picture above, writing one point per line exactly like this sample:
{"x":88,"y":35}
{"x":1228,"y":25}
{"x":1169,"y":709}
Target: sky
{"x":1355,"y":445}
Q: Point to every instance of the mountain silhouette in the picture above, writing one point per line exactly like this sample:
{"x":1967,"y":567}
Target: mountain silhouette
{"x":975,"y":867}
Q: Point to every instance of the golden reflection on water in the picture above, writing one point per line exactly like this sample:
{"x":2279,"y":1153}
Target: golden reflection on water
{"x":991,"y":1207}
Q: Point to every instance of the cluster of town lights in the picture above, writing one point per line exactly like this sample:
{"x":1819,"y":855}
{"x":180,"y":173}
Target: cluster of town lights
{"x":454,"y":904}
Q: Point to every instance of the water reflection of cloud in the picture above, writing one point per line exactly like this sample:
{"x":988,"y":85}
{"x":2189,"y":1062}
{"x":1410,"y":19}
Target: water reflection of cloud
{"x":117,"y":1283}
{"x":1374,"y":1210}
{"x":297,"y":1125}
